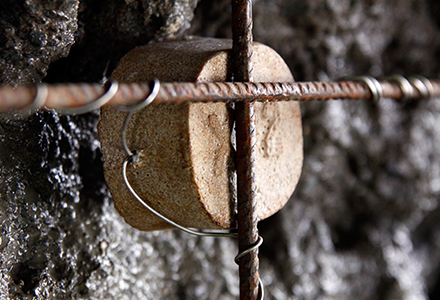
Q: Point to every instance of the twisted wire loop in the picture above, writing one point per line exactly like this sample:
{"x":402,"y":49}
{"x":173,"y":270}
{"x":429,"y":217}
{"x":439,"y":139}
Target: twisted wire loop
{"x":42,"y":92}
{"x":405,"y":86}
{"x":423,"y":85}
{"x":101,"y":101}
{"x":75,"y":95}
{"x":247,"y":251}
{"x":40,"y":98}
{"x":38,"y":102}
{"x":132,"y":157}
{"x":374,"y":86}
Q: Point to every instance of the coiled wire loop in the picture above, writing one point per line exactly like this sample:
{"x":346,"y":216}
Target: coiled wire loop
{"x":111,"y":92}
{"x":423,"y":85}
{"x":405,"y":86}
{"x":374,"y":86}
{"x":247,"y":251}
{"x":40,"y":98}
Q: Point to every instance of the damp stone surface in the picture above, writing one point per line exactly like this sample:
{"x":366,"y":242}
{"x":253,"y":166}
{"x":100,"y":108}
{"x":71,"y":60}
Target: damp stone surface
{"x":362,"y":224}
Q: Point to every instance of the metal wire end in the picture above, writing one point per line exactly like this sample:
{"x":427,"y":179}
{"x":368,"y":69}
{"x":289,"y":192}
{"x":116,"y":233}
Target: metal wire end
{"x":247,"y":251}
{"x":260,"y":289}
{"x":101,"y":101}
{"x":405,"y":86}
{"x":423,"y":85}
{"x":374,"y":85}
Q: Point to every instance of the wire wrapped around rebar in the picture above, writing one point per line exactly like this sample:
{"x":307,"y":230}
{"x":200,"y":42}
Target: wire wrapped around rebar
{"x":64,"y":96}
{"x":242,"y":69}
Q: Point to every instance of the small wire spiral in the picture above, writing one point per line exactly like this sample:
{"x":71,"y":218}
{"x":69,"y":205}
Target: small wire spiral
{"x":247,"y":251}
{"x":408,"y":87}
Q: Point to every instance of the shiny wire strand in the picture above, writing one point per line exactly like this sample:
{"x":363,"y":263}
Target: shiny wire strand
{"x":374,"y":86}
{"x":132,"y":157}
{"x":420,"y":86}
{"x":423,"y":84}
{"x":405,"y":86}
{"x":36,"y":104}
{"x":429,"y":85}
{"x":247,"y":251}
{"x":131,"y":110}
{"x":157,"y":214}
{"x":40,"y":98}
{"x":101,"y":101}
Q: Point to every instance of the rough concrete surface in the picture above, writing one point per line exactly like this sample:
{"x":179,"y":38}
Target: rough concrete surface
{"x":363,"y":223}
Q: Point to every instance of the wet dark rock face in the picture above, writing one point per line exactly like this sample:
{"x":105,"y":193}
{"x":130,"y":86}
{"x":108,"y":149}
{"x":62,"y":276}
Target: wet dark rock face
{"x":32,"y":35}
{"x":362,"y":224}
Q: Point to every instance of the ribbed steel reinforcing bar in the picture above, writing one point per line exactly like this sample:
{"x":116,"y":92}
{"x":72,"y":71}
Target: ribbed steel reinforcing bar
{"x":61,"y":96}
{"x":246,"y":202}
{"x":242,"y":70}
{"x":242,"y":40}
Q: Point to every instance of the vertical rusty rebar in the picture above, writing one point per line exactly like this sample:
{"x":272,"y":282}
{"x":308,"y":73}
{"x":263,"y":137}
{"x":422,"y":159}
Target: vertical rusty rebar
{"x":245,"y":141}
{"x":247,"y":220}
{"x":242,"y":40}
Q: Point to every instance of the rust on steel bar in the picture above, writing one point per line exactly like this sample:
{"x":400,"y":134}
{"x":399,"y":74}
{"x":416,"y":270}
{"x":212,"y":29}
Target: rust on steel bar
{"x":61,"y":96}
{"x":246,"y":203}
{"x":242,"y":70}
{"x":242,"y":40}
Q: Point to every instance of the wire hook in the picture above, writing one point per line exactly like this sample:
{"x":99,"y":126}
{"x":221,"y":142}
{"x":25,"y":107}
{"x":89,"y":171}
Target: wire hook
{"x":132,"y":157}
{"x":132,"y":109}
{"x":147,"y":101}
{"x":111,"y":92}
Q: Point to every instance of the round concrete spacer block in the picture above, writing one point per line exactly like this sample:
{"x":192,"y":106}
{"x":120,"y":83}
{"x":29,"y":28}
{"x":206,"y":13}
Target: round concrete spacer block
{"x":186,"y":152}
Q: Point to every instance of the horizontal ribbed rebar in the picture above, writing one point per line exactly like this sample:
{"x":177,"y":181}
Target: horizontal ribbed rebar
{"x":64,"y":96}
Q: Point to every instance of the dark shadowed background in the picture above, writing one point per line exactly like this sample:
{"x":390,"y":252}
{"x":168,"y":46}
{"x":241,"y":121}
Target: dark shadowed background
{"x":362,"y":224}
